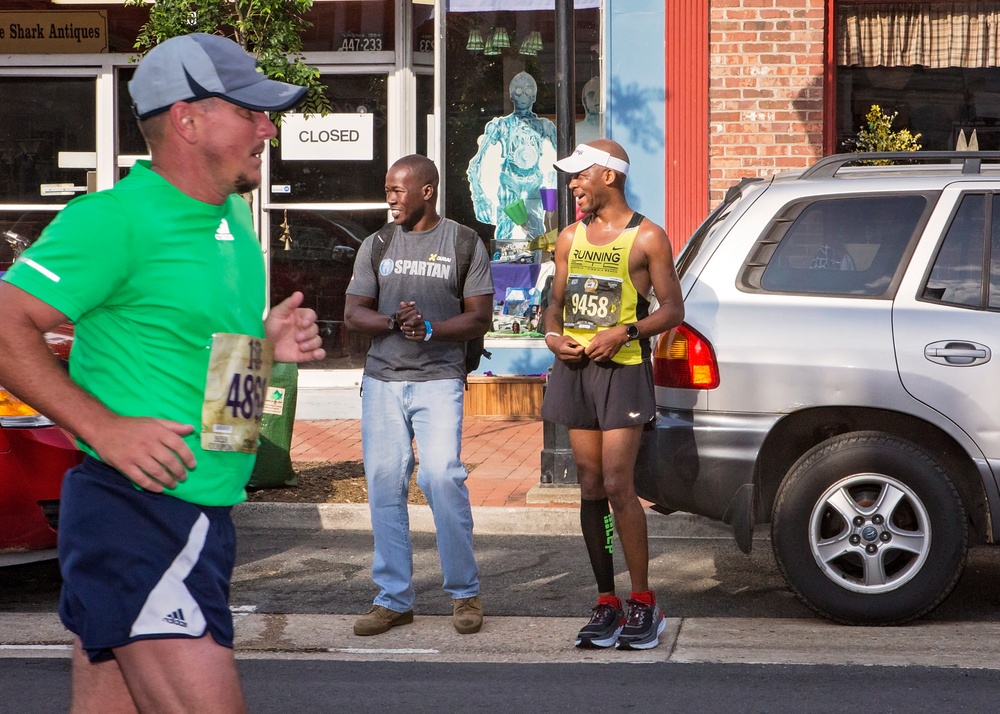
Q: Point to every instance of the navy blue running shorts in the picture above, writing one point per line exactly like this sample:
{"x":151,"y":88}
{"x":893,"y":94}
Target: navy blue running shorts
{"x":599,"y":395}
{"x":138,"y":565}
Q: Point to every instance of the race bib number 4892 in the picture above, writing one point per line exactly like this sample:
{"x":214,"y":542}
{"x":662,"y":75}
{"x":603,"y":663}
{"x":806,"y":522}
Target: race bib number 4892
{"x":238,"y":370}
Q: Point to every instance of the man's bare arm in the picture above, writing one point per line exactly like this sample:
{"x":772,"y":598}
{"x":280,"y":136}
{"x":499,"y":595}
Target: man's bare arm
{"x":149,"y":451}
{"x":663,"y":278}
{"x":565,"y":348}
{"x":361,"y":315}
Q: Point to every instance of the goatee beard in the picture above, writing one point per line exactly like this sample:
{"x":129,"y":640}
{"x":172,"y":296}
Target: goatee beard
{"x":245,"y":185}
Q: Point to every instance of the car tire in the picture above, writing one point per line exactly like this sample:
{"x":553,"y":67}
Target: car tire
{"x":869,"y":530}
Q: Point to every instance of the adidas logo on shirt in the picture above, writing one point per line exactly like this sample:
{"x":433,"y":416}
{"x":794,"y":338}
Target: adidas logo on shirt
{"x":222,"y":232}
{"x":177,"y":616}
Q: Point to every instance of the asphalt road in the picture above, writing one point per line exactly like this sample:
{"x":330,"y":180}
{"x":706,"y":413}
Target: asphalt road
{"x":737,"y":639}
{"x":38,"y":686}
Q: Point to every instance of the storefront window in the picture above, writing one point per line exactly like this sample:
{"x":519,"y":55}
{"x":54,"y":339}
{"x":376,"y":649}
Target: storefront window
{"x":425,"y":111}
{"x":47,"y":138}
{"x":423,"y":31}
{"x":313,"y":251}
{"x":501,"y":69}
{"x":351,"y":26}
{"x":935,"y":64}
{"x":130,"y":141}
{"x":357,"y":128}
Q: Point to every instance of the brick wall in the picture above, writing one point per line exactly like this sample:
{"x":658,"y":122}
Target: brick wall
{"x":765,"y":88}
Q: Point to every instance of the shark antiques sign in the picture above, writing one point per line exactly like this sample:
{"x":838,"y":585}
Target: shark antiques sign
{"x":53,"y":32}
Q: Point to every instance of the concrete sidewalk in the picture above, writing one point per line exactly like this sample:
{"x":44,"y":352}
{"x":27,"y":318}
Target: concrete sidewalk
{"x":505,"y":457}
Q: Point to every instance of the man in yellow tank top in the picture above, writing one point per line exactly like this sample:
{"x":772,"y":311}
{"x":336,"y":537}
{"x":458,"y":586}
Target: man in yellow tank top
{"x":598,"y":322}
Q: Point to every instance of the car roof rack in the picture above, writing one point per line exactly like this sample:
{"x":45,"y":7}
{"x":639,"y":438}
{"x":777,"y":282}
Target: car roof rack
{"x":735,"y":189}
{"x":971,"y":161}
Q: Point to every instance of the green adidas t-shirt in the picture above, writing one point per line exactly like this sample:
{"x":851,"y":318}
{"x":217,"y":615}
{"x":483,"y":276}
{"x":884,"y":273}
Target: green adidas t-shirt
{"x":148,"y":275}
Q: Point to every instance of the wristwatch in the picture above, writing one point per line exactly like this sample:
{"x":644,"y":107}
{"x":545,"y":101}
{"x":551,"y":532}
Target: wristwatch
{"x":393,"y":325}
{"x":632,"y":331}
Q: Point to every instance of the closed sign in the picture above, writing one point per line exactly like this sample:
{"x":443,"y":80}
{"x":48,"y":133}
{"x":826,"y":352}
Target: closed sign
{"x":334,"y":137}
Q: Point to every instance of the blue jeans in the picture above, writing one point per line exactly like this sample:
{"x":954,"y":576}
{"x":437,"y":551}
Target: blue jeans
{"x":392,"y":415}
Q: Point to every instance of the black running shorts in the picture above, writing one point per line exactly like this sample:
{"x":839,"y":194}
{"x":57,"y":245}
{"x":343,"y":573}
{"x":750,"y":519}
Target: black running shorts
{"x":599,"y":396}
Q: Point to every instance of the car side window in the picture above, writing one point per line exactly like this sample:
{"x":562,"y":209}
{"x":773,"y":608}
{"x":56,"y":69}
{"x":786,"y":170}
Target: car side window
{"x":994,"y":298}
{"x":957,"y":273}
{"x":844,"y":245}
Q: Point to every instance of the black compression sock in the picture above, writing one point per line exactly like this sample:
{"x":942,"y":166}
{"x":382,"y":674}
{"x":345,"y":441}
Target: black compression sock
{"x":598,"y":534}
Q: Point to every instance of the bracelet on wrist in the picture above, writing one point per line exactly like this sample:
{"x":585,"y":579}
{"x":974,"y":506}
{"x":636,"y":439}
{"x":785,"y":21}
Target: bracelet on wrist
{"x":552,"y":334}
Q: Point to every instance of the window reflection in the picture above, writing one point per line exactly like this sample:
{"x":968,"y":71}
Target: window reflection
{"x":423,"y":29}
{"x":314,"y":252}
{"x":18,"y":230}
{"x":843,"y":246}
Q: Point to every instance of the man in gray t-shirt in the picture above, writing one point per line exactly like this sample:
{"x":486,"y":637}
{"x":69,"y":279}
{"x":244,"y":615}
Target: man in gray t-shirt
{"x":414,"y":388}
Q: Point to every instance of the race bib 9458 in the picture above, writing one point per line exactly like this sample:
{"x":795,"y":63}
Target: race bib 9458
{"x":238,"y":369}
{"x":592,"y":302}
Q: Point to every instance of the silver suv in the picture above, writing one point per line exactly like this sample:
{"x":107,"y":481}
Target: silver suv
{"x":834,"y":377}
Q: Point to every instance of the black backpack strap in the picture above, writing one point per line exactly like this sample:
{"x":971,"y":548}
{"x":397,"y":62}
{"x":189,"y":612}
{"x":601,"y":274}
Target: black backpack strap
{"x":380,"y":246}
{"x":465,"y":248}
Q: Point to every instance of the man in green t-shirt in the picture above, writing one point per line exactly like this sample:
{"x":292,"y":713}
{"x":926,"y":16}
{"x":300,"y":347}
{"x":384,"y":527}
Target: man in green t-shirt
{"x":163,"y":279}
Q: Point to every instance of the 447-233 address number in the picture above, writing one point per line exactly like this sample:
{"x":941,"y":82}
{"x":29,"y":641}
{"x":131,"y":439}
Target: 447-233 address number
{"x":361,"y":43}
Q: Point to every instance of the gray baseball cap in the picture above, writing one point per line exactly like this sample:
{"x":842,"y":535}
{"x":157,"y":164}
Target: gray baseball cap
{"x":192,"y":67}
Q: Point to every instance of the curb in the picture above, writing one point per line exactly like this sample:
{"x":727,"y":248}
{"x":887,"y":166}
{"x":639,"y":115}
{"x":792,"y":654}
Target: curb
{"x":546,"y":640}
{"x":489,"y":520}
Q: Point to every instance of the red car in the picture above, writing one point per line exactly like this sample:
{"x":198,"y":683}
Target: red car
{"x":34,"y":455}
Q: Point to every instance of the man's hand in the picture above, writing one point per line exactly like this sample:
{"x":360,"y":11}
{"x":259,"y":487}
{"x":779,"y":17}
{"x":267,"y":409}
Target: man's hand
{"x":411,"y":322}
{"x":606,"y":343}
{"x":148,"y":451}
{"x":293,"y":331}
{"x":565,"y":348}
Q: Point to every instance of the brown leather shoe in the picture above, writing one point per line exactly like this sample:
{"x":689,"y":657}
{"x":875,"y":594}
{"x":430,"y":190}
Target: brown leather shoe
{"x":380,"y":619}
{"x":468,"y":615}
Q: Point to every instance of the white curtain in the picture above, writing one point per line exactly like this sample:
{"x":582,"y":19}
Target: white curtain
{"x":932,"y":34}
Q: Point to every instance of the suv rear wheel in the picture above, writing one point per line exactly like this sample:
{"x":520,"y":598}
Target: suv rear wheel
{"x":868,"y":529}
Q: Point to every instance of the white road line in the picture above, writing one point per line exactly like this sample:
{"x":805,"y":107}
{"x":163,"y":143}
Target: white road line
{"x":385,"y":651}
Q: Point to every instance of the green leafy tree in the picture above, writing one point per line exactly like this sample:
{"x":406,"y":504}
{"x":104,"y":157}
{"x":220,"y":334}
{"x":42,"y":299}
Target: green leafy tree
{"x":271,"y":30}
{"x":878,"y":135}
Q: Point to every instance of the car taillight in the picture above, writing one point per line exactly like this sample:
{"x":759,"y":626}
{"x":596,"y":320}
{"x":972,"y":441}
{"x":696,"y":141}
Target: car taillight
{"x":14,"y":412}
{"x":683,"y":359}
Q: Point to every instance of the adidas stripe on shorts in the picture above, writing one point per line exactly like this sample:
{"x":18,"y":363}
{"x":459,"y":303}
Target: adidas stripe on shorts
{"x":138,"y":565}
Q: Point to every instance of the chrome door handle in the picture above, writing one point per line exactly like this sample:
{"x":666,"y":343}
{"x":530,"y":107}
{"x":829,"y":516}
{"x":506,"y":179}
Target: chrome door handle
{"x":957,"y":354}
